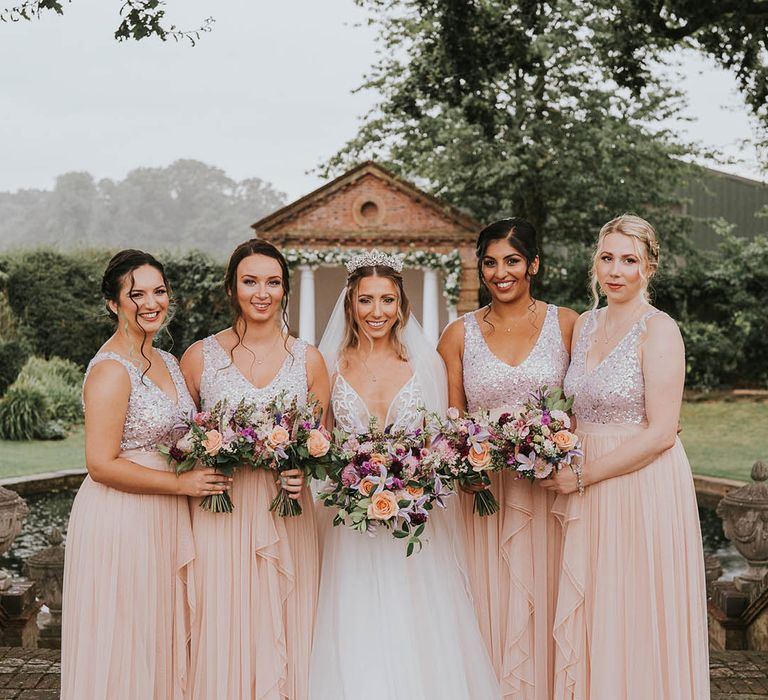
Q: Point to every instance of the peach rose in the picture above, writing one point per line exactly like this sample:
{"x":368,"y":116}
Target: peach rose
{"x":565,"y":440}
{"x":480,"y":460}
{"x":317,"y":444}
{"x":279,"y":436}
{"x":383,"y":506}
{"x":415,"y":491}
{"x":366,"y":487}
{"x":377,"y":459}
{"x":212,"y":442}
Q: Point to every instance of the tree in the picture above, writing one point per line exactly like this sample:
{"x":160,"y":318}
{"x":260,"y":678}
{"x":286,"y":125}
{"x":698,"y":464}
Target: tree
{"x":509,"y":109}
{"x":140,"y":19}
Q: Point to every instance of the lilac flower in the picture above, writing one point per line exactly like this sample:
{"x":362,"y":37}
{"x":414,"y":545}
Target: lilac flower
{"x":546,"y":419}
{"x":248,"y":434}
{"x":349,"y":476}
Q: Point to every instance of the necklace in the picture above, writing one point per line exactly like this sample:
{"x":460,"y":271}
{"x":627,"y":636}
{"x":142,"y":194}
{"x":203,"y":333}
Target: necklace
{"x":607,"y":338}
{"x":516,"y":321}
{"x":264,"y":356}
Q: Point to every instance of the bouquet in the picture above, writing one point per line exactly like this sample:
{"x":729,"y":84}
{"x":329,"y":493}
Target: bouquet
{"x":292,"y":437}
{"x":535,"y":441}
{"x":466,"y":448}
{"x":220,"y":438}
{"x":385,"y":480}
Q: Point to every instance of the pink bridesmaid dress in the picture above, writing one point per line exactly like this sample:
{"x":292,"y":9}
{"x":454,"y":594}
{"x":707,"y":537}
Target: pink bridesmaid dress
{"x":256,"y":573}
{"x":514,"y":554}
{"x":631,"y":617}
{"x":127,"y":573}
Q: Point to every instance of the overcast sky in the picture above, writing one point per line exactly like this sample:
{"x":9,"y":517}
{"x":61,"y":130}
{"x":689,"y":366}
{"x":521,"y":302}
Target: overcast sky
{"x":267,"y":93}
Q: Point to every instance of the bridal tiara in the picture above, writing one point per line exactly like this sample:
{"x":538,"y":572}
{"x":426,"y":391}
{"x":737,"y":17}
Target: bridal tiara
{"x":374,"y":257}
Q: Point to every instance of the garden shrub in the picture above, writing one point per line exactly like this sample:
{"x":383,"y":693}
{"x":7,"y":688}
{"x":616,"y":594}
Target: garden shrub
{"x":13,"y":354}
{"x":23,"y":412}
{"x":61,"y":383}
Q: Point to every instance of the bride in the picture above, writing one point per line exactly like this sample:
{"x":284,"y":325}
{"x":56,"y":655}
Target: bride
{"x":390,"y":627}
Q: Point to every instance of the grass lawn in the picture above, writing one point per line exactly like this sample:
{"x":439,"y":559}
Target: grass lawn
{"x":725,"y":438}
{"x":722,"y":438}
{"x":35,"y":456}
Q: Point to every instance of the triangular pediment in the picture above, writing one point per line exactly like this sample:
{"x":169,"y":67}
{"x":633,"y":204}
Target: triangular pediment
{"x":368,"y":203}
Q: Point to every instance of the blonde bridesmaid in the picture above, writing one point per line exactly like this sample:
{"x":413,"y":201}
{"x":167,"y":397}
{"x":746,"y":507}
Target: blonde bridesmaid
{"x":496,"y":357}
{"x":256,"y":572}
{"x":631,"y":617}
{"x":129,"y":544}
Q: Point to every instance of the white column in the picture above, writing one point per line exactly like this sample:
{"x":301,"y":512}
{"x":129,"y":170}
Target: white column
{"x":307,"y":304}
{"x":431,"y":295}
{"x":453,"y":313}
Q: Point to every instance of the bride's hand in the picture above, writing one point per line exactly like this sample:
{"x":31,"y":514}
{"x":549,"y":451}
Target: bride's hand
{"x":292,"y":481}
{"x":563,"y":481}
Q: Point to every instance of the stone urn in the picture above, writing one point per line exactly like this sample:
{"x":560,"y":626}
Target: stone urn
{"x":46,"y":569}
{"x":13,"y":510}
{"x":744,"y":513}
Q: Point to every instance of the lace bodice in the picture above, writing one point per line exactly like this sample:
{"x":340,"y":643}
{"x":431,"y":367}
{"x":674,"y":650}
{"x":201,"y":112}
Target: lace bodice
{"x":614,"y":390}
{"x":352,"y":415}
{"x":221,"y":379}
{"x":492,"y":383}
{"x":152,"y":414}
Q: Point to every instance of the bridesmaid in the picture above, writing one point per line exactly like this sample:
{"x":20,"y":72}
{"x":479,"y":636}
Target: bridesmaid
{"x":256,"y":572}
{"x":129,"y":543}
{"x":631,"y":615}
{"x":496,"y":357}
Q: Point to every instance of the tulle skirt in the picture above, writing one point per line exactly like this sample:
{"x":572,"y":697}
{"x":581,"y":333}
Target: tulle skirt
{"x":396,"y":628}
{"x":127,"y":585}
{"x":631,"y":618}
{"x":514,"y":560}
{"x":256,"y":577}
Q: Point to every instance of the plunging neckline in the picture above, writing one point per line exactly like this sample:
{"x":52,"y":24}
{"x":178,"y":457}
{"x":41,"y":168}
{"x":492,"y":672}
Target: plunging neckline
{"x":531,"y":351}
{"x":587,"y":370}
{"x":410,"y":379}
{"x":173,"y":401}
{"x":242,"y":375}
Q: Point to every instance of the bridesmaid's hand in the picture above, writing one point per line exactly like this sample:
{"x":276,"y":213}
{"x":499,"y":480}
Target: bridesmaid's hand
{"x":292,"y":481}
{"x":203,"y":482}
{"x":563,"y":482}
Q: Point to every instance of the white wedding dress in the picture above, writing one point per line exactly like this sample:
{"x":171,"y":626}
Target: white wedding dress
{"x":390,"y":627}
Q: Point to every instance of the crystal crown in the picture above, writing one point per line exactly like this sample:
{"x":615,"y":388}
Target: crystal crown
{"x":374,"y":257}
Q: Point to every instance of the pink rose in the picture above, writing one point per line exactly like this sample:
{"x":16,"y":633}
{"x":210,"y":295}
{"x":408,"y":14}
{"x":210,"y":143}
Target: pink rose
{"x":201,"y":418}
{"x":212,"y":442}
{"x":317,"y":443}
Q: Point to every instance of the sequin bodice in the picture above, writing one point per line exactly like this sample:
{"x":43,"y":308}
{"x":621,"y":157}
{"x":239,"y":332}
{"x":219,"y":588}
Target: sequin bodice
{"x":221,"y":379}
{"x":352,"y":415}
{"x":152,"y":414}
{"x":614,"y":390}
{"x":492,"y":383}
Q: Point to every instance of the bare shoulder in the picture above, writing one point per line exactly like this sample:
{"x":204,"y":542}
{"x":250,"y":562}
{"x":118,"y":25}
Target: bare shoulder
{"x":193,"y":356}
{"x":452,"y":337}
{"x":315,"y":358}
{"x":107,"y":378}
{"x":662,"y":328}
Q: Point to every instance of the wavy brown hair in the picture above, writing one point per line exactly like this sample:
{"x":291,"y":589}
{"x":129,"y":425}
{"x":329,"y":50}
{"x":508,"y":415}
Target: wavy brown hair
{"x":353,"y":335}
{"x":254,"y":246}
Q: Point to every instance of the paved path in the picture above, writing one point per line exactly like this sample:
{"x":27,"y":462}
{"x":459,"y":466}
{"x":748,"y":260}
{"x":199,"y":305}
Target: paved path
{"x":33,"y":674}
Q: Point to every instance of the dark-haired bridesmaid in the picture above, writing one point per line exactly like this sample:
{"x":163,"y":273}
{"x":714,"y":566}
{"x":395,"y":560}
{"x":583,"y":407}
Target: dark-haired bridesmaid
{"x":129,"y":543}
{"x":496,"y":357}
{"x":256,"y":573}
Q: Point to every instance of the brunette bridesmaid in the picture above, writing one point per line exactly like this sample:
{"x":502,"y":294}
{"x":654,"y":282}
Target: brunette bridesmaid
{"x":631,"y":615}
{"x":129,"y":543}
{"x":256,"y":572}
{"x":496,"y":357}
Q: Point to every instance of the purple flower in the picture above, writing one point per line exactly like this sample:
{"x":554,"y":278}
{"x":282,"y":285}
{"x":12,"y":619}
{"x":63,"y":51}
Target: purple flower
{"x":546,"y":419}
{"x":396,"y":484}
{"x":418,"y":518}
{"x":249,"y":434}
{"x":349,"y":476}
{"x":177,"y":454}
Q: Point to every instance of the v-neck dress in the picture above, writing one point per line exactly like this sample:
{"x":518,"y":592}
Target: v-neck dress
{"x":256,"y":572}
{"x":631,"y":616}
{"x":391,"y":627}
{"x":127,"y":568}
{"x":514,"y":554}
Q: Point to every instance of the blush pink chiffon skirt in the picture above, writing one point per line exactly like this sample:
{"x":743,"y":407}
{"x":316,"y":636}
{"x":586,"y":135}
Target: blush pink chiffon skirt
{"x":128,"y":593}
{"x":631,"y":618}
{"x":256,"y":577}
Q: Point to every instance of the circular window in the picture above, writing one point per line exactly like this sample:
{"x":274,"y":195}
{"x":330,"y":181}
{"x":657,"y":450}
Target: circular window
{"x":369,"y":211}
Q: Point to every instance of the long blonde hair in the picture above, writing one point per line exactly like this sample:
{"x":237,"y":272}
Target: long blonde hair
{"x":352,"y":334}
{"x":646,"y":245}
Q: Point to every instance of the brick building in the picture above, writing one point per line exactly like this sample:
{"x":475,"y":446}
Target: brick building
{"x":369,"y":207}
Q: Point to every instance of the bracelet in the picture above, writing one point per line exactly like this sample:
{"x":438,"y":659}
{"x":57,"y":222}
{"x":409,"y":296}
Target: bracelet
{"x":579,"y":477}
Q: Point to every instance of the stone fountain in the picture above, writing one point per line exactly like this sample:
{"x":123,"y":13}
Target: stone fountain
{"x":46,"y":568}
